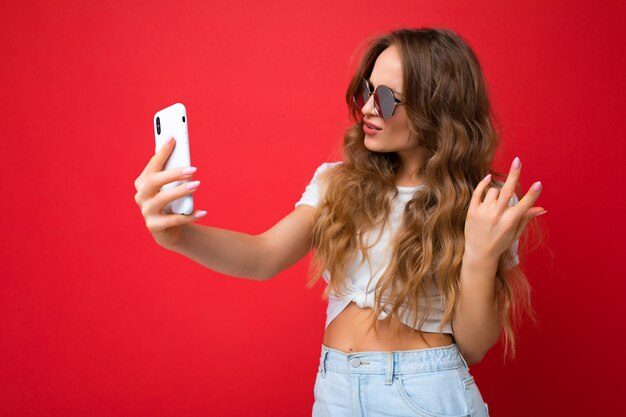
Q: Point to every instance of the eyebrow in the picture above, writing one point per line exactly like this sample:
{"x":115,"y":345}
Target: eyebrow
{"x":369,"y":81}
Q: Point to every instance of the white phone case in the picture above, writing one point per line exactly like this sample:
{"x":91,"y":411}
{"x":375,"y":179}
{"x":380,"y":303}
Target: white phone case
{"x":172,"y":121}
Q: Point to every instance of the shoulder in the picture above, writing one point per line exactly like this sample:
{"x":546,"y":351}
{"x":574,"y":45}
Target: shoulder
{"x":317,"y":186}
{"x":327,"y":165}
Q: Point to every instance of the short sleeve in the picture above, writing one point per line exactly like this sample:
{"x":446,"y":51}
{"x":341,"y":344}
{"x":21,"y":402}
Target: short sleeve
{"x":311,"y":195}
{"x":514,"y":247}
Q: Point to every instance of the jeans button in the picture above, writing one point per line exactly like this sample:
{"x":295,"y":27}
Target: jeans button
{"x":355,"y":362}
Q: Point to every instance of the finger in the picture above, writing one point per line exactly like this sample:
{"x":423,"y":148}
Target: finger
{"x":529,"y":200}
{"x":159,"y":158}
{"x":492,"y":195}
{"x":152,"y":183}
{"x":157,"y":161}
{"x":165,"y":221}
{"x":478,"y":191}
{"x":528,"y":216}
{"x":508,"y":189}
{"x":156,"y":204}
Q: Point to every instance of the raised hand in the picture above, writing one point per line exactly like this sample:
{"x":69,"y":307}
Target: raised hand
{"x":165,"y":228}
{"x":491,"y":225}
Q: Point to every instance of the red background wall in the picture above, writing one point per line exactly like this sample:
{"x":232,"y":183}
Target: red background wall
{"x":96,"y":319}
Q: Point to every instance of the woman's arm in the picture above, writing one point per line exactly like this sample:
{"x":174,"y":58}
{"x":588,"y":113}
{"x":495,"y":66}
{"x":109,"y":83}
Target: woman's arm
{"x":258,"y":257}
{"x":475,"y":323}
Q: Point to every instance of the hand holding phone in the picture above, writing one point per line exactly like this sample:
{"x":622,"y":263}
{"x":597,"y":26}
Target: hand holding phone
{"x":165,"y":179}
{"x":165,"y":228}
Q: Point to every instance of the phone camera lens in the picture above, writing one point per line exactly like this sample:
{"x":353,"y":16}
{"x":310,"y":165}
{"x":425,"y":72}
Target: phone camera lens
{"x":183,"y":119}
{"x":158,"y":125}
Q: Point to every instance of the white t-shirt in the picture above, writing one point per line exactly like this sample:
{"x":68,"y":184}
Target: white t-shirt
{"x":362,"y":281}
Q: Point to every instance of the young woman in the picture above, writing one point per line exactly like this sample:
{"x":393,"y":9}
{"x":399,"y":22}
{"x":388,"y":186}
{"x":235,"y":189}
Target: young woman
{"x":417,"y":246}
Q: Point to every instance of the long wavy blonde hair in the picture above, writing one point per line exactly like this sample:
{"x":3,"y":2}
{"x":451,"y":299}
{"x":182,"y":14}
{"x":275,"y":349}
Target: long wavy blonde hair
{"x":447,"y":104}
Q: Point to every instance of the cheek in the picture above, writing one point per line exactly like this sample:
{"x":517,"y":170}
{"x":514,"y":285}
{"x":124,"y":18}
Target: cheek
{"x":399,"y":120}
{"x":399,"y":126}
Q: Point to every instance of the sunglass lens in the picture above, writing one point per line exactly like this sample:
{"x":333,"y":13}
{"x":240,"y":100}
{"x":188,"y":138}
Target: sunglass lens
{"x":362,"y":94}
{"x":384,"y":100}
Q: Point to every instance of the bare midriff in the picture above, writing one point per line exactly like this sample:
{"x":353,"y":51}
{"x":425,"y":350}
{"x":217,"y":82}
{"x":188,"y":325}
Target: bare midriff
{"x":348,"y":332}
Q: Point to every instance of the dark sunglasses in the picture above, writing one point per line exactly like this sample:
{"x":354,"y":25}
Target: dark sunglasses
{"x":384,"y":101}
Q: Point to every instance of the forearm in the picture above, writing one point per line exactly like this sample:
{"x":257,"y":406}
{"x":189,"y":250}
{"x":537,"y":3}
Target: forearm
{"x":476,"y":324}
{"x":224,"y":251}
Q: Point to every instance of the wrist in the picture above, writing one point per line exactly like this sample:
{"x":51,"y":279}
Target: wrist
{"x":480,"y":261}
{"x":174,"y":242}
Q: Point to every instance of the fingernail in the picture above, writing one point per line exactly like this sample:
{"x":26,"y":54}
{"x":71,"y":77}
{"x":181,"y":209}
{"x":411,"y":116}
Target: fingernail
{"x":537,"y":186}
{"x":167,"y":142}
{"x":199,"y":214}
{"x":516,"y":163}
{"x":193,"y":185}
{"x":189,"y":170}
{"x":539,"y":214}
{"x":487,"y":177}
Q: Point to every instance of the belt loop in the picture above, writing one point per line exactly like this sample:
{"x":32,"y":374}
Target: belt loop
{"x":323,"y":362}
{"x":462,"y":358}
{"x":389,"y":373}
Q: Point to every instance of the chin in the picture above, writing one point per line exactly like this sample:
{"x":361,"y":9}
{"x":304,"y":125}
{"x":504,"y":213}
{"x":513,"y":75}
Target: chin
{"x":372,"y":144}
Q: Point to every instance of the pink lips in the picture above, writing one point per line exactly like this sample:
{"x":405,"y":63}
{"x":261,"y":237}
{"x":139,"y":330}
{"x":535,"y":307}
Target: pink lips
{"x":370,"y":131}
{"x":365,"y":122}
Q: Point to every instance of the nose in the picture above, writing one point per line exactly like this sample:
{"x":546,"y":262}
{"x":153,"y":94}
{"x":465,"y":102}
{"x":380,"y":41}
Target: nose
{"x":370,"y":107}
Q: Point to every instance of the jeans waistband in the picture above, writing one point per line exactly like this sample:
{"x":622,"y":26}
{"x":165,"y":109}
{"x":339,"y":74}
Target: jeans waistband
{"x":392,"y":363}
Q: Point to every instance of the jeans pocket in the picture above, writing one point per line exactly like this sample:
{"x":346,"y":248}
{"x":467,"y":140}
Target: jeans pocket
{"x":478,"y":407}
{"x":434,"y":394}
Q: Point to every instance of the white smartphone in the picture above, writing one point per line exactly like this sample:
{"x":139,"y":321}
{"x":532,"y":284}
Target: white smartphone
{"x":172,"y":121}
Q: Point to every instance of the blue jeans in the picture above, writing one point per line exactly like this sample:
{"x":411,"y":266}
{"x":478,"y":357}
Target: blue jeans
{"x":431,"y":382}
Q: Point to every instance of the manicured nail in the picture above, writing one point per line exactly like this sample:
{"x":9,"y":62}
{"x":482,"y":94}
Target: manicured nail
{"x":516,"y":163}
{"x":189,"y":170}
{"x":539,"y":214}
{"x":193,"y":185}
{"x":537,"y":186}
{"x":487,"y":177}
{"x":199,"y":214}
